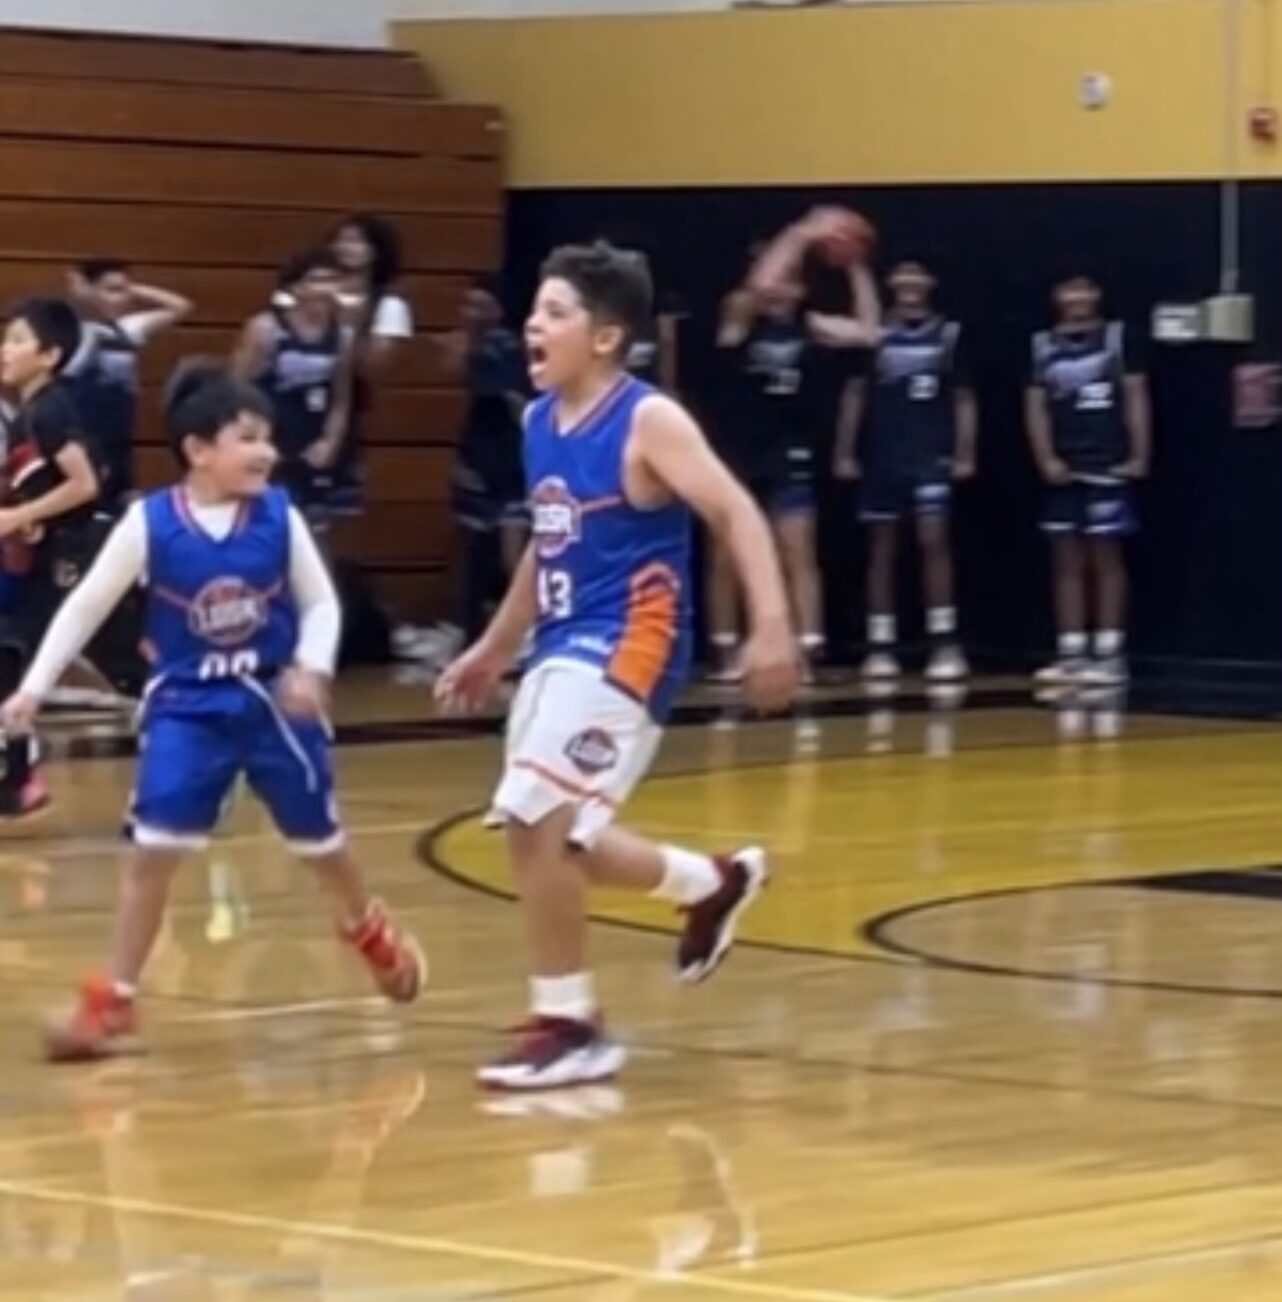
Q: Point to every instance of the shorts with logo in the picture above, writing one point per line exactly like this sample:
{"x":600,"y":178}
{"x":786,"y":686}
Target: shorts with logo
{"x":195,"y":741}
{"x":1095,"y":510}
{"x":572,"y":739}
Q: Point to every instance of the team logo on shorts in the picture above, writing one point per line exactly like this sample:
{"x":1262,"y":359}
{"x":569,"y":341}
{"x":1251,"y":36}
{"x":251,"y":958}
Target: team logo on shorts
{"x":227,"y":612}
{"x":592,"y":751}
{"x":555,"y":516}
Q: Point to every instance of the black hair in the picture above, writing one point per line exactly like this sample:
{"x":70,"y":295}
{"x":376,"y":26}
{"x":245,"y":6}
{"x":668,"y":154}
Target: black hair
{"x":94,"y":269}
{"x":385,"y":241}
{"x":54,"y":323}
{"x":614,"y":284}
{"x":202,"y":398}
{"x":301,"y":265}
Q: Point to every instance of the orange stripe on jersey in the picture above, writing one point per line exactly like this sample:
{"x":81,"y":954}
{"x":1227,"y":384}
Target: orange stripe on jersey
{"x":550,"y":775}
{"x":644,"y":649}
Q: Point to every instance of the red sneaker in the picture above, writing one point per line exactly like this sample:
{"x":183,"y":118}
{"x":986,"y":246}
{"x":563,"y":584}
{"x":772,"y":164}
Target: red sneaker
{"x":553,"y":1052}
{"x":396,"y":961}
{"x":710,"y":924}
{"x":101,"y":1025}
{"x":26,"y":801}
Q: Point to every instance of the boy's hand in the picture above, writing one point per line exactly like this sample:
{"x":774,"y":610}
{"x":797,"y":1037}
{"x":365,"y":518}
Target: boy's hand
{"x":471,"y":681}
{"x":771,"y":672}
{"x":18,"y":714}
{"x":303,"y":693}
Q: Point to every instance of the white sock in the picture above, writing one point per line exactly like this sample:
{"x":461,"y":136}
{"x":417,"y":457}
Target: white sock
{"x":1109,"y":642}
{"x":725,"y":641}
{"x":572,"y":997}
{"x":1072,"y":646}
{"x":124,"y":990}
{"x":688,"y":877}
{"x":882,"y":631}
{"x":812,"y":643}
{"x":941,"y":621}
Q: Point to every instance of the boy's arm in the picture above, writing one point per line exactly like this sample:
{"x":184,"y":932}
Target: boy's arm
{"x":516,"y":613}
{"x":253,"y":350}
{"x":320,"y":613}
{"x":156,"y":309}
{"x":1139,"y":424}
{"x":673,"y":449}
{"x":119,"y":566}
{"x":79,"y":485}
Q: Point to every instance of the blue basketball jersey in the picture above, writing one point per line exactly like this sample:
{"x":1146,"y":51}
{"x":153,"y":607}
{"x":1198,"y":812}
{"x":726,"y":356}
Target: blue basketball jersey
{"x":218,"y":610}
{"x":613,"y":580}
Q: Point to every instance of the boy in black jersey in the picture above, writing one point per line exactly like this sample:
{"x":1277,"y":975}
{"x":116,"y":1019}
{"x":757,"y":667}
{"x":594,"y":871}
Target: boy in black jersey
{"x":119,"y":317}
{"x":919,"y":424}
{"x":1088,"y":417}
{"x":299,"y":353}
{"x":48,"y":526}
{"x":767,"y":440}
{"x":53,"y":469}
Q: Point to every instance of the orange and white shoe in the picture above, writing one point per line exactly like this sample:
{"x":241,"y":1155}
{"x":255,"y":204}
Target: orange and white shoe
{"x":102,"y":1024}
{"x":395,"y":960}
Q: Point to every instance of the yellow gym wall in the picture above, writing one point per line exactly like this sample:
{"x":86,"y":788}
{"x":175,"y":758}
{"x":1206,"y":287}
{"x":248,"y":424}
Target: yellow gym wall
{"x":900,"y":93}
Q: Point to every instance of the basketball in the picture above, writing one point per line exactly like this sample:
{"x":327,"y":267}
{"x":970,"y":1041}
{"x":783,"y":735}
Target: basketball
{"x":848,"y":238}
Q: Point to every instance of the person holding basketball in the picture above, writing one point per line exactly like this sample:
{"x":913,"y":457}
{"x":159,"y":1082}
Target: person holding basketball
{"x":770,"y":336}
{"x":1089,"y":424}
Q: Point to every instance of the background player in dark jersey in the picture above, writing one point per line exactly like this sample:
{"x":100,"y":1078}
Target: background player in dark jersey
{"x":489,"y":478}
{"x":53,"y":465}
{"x":299,"y":353}
{"x":368,"y":251}
{"x":919,"y":424}
{"x":768,"y":441}
{"x":1089,"y":424}
{"x":118,"y":318}
{"x":792,"y":264}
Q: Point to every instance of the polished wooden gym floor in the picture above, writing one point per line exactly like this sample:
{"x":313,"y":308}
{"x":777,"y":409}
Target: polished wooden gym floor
{"x":1007,"y":1028}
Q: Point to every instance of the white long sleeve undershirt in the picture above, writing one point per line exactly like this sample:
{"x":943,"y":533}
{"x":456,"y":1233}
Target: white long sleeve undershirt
{"x":123,"y":563}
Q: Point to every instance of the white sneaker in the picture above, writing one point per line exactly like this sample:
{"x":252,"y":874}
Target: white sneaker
{"x":947,"y":665}
{"x":880,"y":665}
{"x":1067,"y":671}
{"x":554,"y":1052}
{"x":1106,"y":671}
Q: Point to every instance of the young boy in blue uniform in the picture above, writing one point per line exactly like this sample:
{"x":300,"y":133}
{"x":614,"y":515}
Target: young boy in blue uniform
{"x":614,"y":470}
{"x":242,"y":630}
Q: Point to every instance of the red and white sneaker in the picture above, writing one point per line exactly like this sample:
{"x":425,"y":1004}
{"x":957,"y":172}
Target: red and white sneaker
{"x":553,"y":1052}
{"x":396,"y":961}
{"x":710,"y":924}
{"x":101,"y":1025}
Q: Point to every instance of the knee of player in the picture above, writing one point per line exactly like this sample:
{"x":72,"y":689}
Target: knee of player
{"x":534,"y":840}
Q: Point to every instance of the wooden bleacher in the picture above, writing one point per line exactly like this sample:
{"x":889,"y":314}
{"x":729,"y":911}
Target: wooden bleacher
{"x":207,"y":164}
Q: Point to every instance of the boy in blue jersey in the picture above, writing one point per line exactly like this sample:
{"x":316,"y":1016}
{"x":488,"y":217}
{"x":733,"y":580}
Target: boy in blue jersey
{"x":614,"y":470}
{"x":242,"y":629}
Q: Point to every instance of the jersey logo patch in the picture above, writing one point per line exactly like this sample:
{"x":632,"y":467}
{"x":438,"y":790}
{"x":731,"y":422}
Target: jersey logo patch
{"x":592,"y":751}
{"x":556,"y":516}
{"x":227,"y":612}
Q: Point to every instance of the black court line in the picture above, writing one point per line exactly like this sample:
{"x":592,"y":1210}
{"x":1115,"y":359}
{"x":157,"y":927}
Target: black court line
{"x":881,"y":932}
{"x":428,"y":853}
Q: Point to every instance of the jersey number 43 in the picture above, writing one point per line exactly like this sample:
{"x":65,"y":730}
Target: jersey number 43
{"x":556,"y":594}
